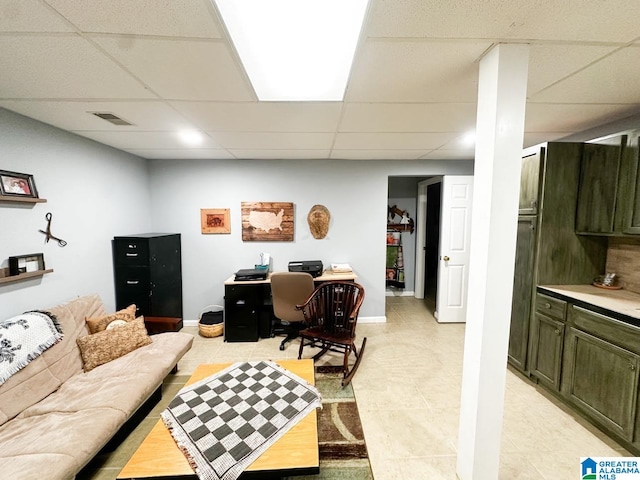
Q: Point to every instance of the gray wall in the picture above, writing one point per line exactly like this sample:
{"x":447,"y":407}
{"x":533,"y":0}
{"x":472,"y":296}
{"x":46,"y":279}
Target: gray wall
{"x":94,"y":192}
{"x":355,"y":192}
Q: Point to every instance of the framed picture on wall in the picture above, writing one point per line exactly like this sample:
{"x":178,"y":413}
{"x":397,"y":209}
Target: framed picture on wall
{"x":267,"y":221}
{"x":17,"y":184}
{"x":215,"y":220}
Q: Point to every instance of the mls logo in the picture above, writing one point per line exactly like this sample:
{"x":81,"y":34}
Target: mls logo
{"x":589,"y":467}
{"x":610,"y":468}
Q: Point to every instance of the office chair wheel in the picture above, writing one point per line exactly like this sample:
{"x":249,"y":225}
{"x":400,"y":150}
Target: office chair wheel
{"x":282,"y":346}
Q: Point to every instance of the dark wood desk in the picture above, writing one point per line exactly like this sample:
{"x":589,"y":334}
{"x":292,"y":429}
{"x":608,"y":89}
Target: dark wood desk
{"x":248,"y":309}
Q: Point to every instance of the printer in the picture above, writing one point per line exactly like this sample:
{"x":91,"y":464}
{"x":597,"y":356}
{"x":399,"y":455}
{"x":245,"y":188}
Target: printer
{"x":313,"y":267}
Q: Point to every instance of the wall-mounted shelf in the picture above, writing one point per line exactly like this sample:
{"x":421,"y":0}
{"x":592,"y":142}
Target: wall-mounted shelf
{"x":400,"y":227}
{"x":24,"y":276}
{"x":11,"y":199}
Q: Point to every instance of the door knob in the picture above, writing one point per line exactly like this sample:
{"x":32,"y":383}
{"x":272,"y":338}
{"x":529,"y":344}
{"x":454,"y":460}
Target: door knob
{"x":445,"y":258}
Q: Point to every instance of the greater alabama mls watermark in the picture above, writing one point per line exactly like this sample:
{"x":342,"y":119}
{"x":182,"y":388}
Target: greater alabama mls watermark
{"x":610,"y":468}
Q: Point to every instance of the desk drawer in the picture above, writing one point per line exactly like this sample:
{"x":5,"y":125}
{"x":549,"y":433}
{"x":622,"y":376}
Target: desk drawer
{"x":551,"y":307}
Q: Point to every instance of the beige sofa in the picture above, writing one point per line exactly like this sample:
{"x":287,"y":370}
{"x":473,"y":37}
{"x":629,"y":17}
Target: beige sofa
{"x":54,"y":417}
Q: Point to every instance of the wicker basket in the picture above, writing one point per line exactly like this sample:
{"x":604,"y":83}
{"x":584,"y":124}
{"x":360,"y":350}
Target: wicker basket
{"x":210,"y":331}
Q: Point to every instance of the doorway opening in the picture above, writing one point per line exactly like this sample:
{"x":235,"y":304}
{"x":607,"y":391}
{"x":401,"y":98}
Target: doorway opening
{"x":432,"y":244}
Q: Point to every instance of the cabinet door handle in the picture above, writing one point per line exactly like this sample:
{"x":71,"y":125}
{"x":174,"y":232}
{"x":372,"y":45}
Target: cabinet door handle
{"x":632,"y":366}
{"x":133,"y":282}
{"x":557,"y":331}
{"x":547,"y":305}
{"x":132,"y":254}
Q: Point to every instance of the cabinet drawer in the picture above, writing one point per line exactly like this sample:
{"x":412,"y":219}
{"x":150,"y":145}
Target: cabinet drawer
{"x":131,"y":251}
{"x":551,"y":307}
{"x":609,"y":329}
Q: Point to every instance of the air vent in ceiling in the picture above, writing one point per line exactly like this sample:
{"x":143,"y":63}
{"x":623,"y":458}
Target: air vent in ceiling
{"x":111,"y":118}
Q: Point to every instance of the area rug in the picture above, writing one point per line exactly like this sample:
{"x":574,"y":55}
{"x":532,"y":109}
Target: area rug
{"x":343,"y":452}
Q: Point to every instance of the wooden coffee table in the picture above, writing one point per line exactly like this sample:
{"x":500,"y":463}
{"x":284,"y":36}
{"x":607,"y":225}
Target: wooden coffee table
{"x":296,"y":453}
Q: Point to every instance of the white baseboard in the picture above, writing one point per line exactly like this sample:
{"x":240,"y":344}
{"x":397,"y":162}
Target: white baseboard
{"x":382,"y":319}
{"x":399,"y":293}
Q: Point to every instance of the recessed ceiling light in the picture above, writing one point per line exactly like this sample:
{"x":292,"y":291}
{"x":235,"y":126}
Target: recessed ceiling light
{"x":469,"y":138}
{"x":191,"y":137}
{"x":295,"y":50}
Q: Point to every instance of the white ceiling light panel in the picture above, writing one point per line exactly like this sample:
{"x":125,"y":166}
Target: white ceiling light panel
{"x":295,"y":50}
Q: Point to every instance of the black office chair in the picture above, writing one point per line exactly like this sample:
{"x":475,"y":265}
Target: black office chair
{"x":289,"y":289}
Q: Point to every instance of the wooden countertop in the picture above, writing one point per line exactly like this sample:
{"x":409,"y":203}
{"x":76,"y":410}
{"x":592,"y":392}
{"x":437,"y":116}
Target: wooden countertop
{"x":622,"y":302}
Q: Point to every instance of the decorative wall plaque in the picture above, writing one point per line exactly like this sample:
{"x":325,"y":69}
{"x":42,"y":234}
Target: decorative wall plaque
{"x":267,"y":221}
{"x":215,"y":220}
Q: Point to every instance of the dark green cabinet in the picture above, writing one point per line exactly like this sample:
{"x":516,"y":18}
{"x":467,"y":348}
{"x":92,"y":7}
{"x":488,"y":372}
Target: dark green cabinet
{"x":530,"y":183}
{"x":548,"y":252}
{"x":598,"y":190}
{"x":547,"y":340}
{"x":601,"y":379}
{"x":522,"y":292}
{"x":630,"y":175}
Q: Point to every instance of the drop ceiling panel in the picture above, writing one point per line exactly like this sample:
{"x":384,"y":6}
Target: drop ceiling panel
{"x":399,"y":71}
{"x":550,"y":63}
{"x":181,"y":153}
{"x":263,"y":116}
{"x":531,"y":139}
{"x":391,"y":141}
{"x":569,"y":118}
{"x":271,"y":141}
{"x":176,"y":18}
{"x":151,"y":115}
{"x":449,"y":155}
{"x":181,"y":69}
{"x":408,"y":117}
{"x":614,"y":79}
{"x":30,"y":16}
{"x":61,"y":67}
{"x":142,"y":140}
{"x":576,"y":20}
{"x":378,"y":154}
{"x":280,"y":154}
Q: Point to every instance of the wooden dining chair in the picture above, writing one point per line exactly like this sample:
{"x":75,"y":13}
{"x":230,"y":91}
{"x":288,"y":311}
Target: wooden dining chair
{"x":330,"y":316}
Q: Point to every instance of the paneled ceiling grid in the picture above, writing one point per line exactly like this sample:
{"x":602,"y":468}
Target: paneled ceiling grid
{"x":166,"y":65}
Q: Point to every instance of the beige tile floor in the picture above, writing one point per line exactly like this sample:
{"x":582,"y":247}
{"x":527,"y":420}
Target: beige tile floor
{"x":408,"y":389}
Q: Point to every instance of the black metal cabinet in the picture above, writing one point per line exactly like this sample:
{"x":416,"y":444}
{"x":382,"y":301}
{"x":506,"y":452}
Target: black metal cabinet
{"x":242,"y":308}
{"x":148,"y":272}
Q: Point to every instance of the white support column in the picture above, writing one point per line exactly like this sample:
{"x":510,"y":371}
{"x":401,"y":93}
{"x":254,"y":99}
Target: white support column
{"x":499,"y":140}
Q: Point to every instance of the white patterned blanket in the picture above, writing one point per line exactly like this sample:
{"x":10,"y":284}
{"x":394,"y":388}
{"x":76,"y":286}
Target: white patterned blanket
{"x":24,"y":338}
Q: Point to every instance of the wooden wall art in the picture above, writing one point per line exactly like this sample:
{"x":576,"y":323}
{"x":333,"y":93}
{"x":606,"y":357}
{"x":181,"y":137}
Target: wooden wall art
{"x":267,"y":221}
{"x":215,"y":220}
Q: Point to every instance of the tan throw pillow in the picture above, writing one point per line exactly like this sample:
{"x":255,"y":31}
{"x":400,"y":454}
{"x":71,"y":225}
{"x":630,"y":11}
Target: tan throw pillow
{"x":102,"y":347}
{"x":99,"y":324}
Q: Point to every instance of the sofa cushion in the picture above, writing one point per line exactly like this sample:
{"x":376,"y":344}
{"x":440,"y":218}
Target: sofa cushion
{"x":46,"y":373}
{"x":102,"y":347}
{"x":100,"y":324}
{"x":55,"y":445}
{"x":123,"y":383}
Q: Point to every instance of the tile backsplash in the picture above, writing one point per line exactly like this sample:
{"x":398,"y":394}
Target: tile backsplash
{"x":623,"y":258}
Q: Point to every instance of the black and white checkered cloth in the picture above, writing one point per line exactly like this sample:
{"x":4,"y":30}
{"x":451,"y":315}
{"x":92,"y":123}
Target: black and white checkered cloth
{"x":224,"y":422}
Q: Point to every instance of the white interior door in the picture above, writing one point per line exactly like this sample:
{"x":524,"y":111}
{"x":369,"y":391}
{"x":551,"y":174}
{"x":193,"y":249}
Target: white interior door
{"x":455,"y":240}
